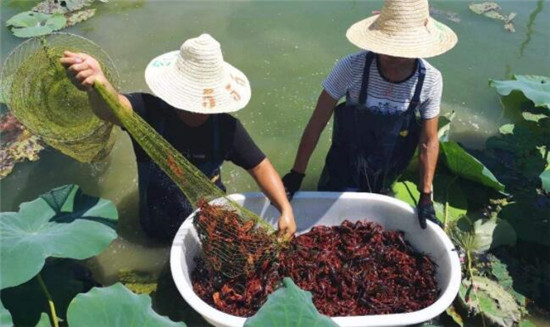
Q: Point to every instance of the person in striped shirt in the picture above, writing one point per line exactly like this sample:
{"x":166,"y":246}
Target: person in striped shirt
{"x":385,"y":86}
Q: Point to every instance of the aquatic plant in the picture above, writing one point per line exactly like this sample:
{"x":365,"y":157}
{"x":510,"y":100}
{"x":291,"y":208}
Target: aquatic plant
{"x":63,"y":223}
{"x":485,"y":217}
{"x":289,"y":306}
{"x":114,"y":306}
{"x":49,"y":16}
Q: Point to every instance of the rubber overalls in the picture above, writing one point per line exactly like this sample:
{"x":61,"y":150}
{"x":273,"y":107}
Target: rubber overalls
{"x":163,"y":206}
{"x":370,"y":149}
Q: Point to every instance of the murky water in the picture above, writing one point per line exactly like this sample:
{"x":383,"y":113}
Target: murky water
{"x":286,"y":48}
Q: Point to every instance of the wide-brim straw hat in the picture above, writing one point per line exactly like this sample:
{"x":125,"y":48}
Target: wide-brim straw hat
{"x":404,"y":29}
{"x":197,"y":79}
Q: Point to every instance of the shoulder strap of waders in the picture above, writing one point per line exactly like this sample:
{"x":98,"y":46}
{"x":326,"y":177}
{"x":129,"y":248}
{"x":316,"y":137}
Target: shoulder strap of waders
{"x":216,"y":153}
{"x":365,"y":80}
{"x":419,"y":84}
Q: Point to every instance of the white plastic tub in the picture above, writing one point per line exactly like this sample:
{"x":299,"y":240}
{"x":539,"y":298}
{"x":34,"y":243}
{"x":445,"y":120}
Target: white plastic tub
{"x":327,"y":208}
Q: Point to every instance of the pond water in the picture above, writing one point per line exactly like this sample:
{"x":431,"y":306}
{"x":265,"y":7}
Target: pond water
{"x":286,"y":49}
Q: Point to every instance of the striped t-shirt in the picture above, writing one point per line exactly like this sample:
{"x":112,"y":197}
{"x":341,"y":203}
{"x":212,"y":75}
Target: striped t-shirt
{"x":384,"y":96}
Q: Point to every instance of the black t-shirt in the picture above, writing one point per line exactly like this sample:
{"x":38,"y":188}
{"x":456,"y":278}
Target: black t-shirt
{"x":196,"y":143}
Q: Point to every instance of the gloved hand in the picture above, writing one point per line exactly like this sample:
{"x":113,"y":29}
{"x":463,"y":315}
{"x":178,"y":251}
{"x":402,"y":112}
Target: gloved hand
{"x":292,"y":182}
{"x":426,"y":211}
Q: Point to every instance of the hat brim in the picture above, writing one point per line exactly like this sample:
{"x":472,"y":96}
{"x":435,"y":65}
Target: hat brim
{"x":432,"y":40}
{"x":228,"y":94}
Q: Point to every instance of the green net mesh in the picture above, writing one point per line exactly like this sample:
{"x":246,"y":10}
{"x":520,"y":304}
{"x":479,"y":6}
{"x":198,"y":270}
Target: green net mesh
{"x":234,"y":240}
{"x":40,"y":96}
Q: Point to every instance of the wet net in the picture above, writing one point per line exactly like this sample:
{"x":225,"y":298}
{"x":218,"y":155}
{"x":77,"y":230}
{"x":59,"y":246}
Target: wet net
{"x":40,"y":96}
{"x":234,"y":240}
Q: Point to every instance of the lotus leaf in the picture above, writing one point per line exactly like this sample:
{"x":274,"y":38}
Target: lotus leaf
{"x":536,"y":88}
{"x":491,"y":233}
{"x":64,"y":279}
{"x":526,"y":323}
{"x":529,"y":217}
{"x":5,"y":316}
{"x":289,"y":306}
{"x":500,"y":271}
{"x":44,"y":321}
{"x":31,"y":24}
{"x":407,"y":191}
{"x":466,"y":166}
{"x":489,"y":299}
{"x":63,"y":223}
{"x":115,"y":306}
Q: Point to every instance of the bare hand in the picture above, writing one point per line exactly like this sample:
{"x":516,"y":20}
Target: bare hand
{"x":82,"y":69}
{"x":287,"y":225}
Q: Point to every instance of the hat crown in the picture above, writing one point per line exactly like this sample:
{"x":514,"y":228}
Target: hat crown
{"x":201,"y":54}
{"x":397,"y":15}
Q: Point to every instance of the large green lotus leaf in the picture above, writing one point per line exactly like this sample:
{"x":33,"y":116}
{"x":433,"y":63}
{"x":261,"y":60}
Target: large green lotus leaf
{"x":466,"y":166}
{"x":491,"y":301}
{"x":31,"y":24}
{"x":448,"y":191}
{"x":406,"y":191}
{"x":44,"y":321}
{"x":491,"y":233}
{"x":529,"y":217}
{"x":500,"y":271}
{"x":536,"y":88}
{"x":5,"y":316}
{"x":115,"y":306}
{"x":458,"y":205}
{"x":289,"y":306}
{"x":64,"y":279}
{"x":63,"y":223}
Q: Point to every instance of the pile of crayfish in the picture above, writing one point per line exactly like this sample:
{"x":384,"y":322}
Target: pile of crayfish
{"x":353,"y":269}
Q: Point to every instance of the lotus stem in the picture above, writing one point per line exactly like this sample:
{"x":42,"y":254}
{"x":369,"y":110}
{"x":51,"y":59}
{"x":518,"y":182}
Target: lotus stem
{"x":53,"y":314}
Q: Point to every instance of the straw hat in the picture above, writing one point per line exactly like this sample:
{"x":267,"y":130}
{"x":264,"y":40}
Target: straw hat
{"x":404,"y":29}
{"x":196,"y":78}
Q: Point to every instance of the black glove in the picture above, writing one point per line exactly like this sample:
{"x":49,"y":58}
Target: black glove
{"x":426,"y":212}
{"x":292,"y":182}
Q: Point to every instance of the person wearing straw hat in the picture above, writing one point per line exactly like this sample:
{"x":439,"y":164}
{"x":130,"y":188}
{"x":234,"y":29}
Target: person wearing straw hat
{"x":194,"y":90}
{"x":376,"y":130}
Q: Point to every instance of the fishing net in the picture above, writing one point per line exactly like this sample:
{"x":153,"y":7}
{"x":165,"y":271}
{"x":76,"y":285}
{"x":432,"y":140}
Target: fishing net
{"x":234,"y":240}
{"x":40,"y":96}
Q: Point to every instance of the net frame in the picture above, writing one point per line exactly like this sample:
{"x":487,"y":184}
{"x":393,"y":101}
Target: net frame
{"x":31,"y":84}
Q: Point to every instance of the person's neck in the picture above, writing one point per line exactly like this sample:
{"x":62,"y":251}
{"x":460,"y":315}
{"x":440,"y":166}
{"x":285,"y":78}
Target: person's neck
{"x":396,"y":69}
{"x":192,"y":119}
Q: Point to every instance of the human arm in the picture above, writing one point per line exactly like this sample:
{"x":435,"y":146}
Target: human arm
{"x":84,"y":71}
{"x":270,"y":183}
{"x":428,"y":154}
{"x":319,"y":119}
